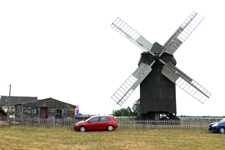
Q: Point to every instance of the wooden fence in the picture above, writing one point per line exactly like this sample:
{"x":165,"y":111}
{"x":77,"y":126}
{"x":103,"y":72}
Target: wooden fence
{"x":166,"y":124}
{"x":68,"y":123}
{"x":122,"y":123}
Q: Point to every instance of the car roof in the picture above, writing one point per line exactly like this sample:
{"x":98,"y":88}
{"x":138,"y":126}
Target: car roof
{"x":98,"y":116}
{"x":102,"y":116}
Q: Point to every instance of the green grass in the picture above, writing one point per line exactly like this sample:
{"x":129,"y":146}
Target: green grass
{"x":62,"y":138}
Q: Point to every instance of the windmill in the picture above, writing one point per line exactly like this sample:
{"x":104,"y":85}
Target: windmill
{"x":156,"y":72}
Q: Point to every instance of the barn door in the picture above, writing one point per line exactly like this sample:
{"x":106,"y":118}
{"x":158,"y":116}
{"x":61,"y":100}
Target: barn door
{"x":44,"y":113}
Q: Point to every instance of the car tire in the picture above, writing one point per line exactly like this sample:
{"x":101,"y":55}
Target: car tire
{"x":110,"y":128}
{"x":221,"y":130}
{"x":82,"y":129}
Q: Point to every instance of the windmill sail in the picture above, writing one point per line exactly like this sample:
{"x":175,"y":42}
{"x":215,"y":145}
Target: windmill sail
{"x":182,"y":33}
{"x":185,"y":82}
{"x":127,"y":88}
{"x":128,"y":32}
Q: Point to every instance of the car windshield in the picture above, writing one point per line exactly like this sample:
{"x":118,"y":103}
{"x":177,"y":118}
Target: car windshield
{"x":89,"y":118}
{"x":222,"y":120}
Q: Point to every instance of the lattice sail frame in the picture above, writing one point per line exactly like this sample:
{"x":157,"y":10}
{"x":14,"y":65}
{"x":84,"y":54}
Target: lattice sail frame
{"x":128,"y":32}
{"x":127,"y":88}
{"x":182,"y":33}
{"x":170,"y":71}
{"x":186,"y":83}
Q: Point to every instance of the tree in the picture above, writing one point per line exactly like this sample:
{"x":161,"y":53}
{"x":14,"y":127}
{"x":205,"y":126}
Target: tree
{"x":136,"y":108}
{"x":117,"y":113}
{"x":135,"y":111}
{"x":11,"y":110}
{"x":129,"y":111}
{"x":124,"y":112}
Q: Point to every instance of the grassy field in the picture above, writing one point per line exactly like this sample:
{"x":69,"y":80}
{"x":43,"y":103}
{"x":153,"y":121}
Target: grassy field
{"x":62,"y":138}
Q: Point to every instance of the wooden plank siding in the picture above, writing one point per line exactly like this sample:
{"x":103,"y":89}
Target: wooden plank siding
{"x":157,"y":93}
{"x":27,"y":110}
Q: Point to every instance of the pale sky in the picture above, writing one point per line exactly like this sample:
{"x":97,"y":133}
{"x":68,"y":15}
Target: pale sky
{"x":68,"y":51}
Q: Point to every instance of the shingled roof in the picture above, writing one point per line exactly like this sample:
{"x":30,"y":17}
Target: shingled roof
{"x":15,"y":100}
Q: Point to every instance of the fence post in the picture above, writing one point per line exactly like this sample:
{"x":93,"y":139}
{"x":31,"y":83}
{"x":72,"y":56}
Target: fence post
{"x":187,"y":124}
{"x":10,"y":122}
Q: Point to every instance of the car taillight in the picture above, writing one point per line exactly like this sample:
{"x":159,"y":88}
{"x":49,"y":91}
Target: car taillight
{"x":115,"y":122}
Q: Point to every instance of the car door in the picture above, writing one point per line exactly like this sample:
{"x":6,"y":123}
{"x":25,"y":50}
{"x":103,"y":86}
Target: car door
{"x":93,"y":124}
{"x":103,"y":123}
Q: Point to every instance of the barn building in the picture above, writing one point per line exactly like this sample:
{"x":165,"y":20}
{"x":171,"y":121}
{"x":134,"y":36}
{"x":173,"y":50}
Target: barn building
{"x":4,"y":102}
{"x":45,"y":108}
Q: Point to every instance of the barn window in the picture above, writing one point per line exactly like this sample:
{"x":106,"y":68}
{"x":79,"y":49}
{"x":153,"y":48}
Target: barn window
{"x":35,"y":111}
{"x":59,"y":113}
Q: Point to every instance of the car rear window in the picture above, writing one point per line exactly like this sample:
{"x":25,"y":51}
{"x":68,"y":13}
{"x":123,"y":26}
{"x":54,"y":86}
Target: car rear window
{"x":104,"y":119}
{"x":114,"y":118}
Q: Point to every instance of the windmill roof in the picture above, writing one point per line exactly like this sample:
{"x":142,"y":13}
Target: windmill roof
{"x":156,"y":48}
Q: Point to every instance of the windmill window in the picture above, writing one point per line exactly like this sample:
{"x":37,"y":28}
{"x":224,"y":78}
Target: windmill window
{"x":59,"y":113}
{"x":35,"y":111}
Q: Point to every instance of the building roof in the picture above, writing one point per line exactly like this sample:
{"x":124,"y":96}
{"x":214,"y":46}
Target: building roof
{"x":55,"y":100}
{"x":15,"y":100}
{"x":38,"y":101}
{"x":156,"y":48}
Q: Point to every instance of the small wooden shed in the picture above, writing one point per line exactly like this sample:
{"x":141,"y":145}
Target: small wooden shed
{"x":2,"y":113}
{"x":4,"y":102}
{"x":45,"y":108}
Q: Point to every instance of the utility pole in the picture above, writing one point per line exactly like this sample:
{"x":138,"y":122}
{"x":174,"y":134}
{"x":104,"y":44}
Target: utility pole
{"x":9,"y":101}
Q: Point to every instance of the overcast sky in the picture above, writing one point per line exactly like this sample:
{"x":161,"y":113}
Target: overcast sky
{"x":66,"y":50}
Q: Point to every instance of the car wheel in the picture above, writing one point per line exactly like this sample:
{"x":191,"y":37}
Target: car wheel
{"x":82,"y":129}
{"x":110,"y":128}
{"x":221,"y":130}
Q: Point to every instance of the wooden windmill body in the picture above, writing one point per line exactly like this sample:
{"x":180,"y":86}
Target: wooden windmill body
{"x":157,"y":93}
{"x":157,"y":74}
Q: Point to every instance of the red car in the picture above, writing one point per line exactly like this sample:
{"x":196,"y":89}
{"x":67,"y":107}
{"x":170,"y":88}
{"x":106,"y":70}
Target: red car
{"x":97,"y":123}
